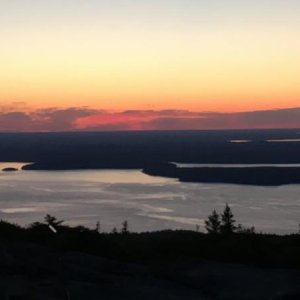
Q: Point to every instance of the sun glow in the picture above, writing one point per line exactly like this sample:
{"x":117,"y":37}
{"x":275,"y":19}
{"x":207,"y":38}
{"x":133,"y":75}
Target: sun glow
{"x":204,"y":57}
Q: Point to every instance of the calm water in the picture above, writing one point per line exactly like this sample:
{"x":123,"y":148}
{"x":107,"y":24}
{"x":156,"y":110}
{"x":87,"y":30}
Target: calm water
{"x":180,"y":165}
{"x":148,"y":203}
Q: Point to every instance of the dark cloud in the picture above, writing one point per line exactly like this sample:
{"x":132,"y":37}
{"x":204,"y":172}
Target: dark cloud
{"x":54,"y":119}
{"x":50,"y":119}
{"x":281,"y":118}
{"x":165,"y":112}
{"x":14,"y":121}
{"x":84,"y":118}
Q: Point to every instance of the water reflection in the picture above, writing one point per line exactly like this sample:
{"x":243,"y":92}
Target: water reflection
{"x":148,"y":203}
{"x":180,"y":165}
{"x":284,"y":141}
{"x":240,"y":141}
{"x":15,"y":165}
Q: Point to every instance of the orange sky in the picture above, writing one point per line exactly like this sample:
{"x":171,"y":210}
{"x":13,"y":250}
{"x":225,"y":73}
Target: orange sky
{"x":198,"y":57}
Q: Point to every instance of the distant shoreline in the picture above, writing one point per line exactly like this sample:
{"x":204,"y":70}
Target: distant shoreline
{"x":260,"y":176}
{"x":62,"y":166}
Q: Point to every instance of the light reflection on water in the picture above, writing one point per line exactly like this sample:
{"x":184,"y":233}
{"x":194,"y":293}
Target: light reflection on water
{"x":284,"y":141}
{"x":16,"y":165}
{"x":268,"y":141}
{"x":240,"y":141}
{"x":181,"y":165}
{"x":148,"y":203}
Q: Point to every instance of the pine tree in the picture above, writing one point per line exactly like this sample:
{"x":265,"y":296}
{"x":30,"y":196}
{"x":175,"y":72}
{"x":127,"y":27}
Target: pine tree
{"x":227,"y":221}
{"x":212,"y":224}
{"x":124,"y":229}
{"x":114,"y":230}
{"x":52,"y":221}
{"x":98,"y":227}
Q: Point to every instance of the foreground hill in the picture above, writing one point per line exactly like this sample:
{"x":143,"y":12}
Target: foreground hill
{"x":35,"y":272}
{"x":78,"y":263}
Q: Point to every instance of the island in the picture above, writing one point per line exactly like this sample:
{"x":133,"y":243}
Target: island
{"x":262,"y":176}
{"x":10,"y":170}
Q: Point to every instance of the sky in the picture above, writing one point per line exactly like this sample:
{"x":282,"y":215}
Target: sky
{"x":181,"y":59}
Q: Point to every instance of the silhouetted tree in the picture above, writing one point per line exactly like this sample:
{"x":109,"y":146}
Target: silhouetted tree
{"x":227,"y":221}
{"x":114,"y":230}
{"x":124,"y":229}
{"x":246,"y":230}
{"x":98,"y":227}
{"x":36,"y":224}
{"x":213,"y":223}
{"x":52,"y":221}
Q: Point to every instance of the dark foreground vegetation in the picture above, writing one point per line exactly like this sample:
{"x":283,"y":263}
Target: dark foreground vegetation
{"x":245,"y":247}
{"x":49,"y":260}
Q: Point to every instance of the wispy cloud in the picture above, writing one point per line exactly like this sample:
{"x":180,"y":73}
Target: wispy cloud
{"x":87,"y":119}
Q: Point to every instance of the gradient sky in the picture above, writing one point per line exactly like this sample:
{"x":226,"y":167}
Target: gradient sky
{"x":196,"y":55}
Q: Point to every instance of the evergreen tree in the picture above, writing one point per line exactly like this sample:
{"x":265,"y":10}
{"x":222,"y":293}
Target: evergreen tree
{"x":124,"y":229}
{"x":114,"y":230}
{"x":245,"y":230}
{"x":227,"y":221}
{"x":213,"y":224}
{"x":52,"y":221}
{"x":98,"y":227}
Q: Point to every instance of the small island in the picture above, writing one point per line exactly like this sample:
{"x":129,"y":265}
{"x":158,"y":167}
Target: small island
{"x":10,"y":169}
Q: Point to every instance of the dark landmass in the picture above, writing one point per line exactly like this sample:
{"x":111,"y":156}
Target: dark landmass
{"x":138,"y":149}
{"x":164,"y":169}
{"x":65,"y":165}
{"x":9,"y":169}
{"x":147,"y":150}
{"x":79,"y":263}
{"x":265,"y":176}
